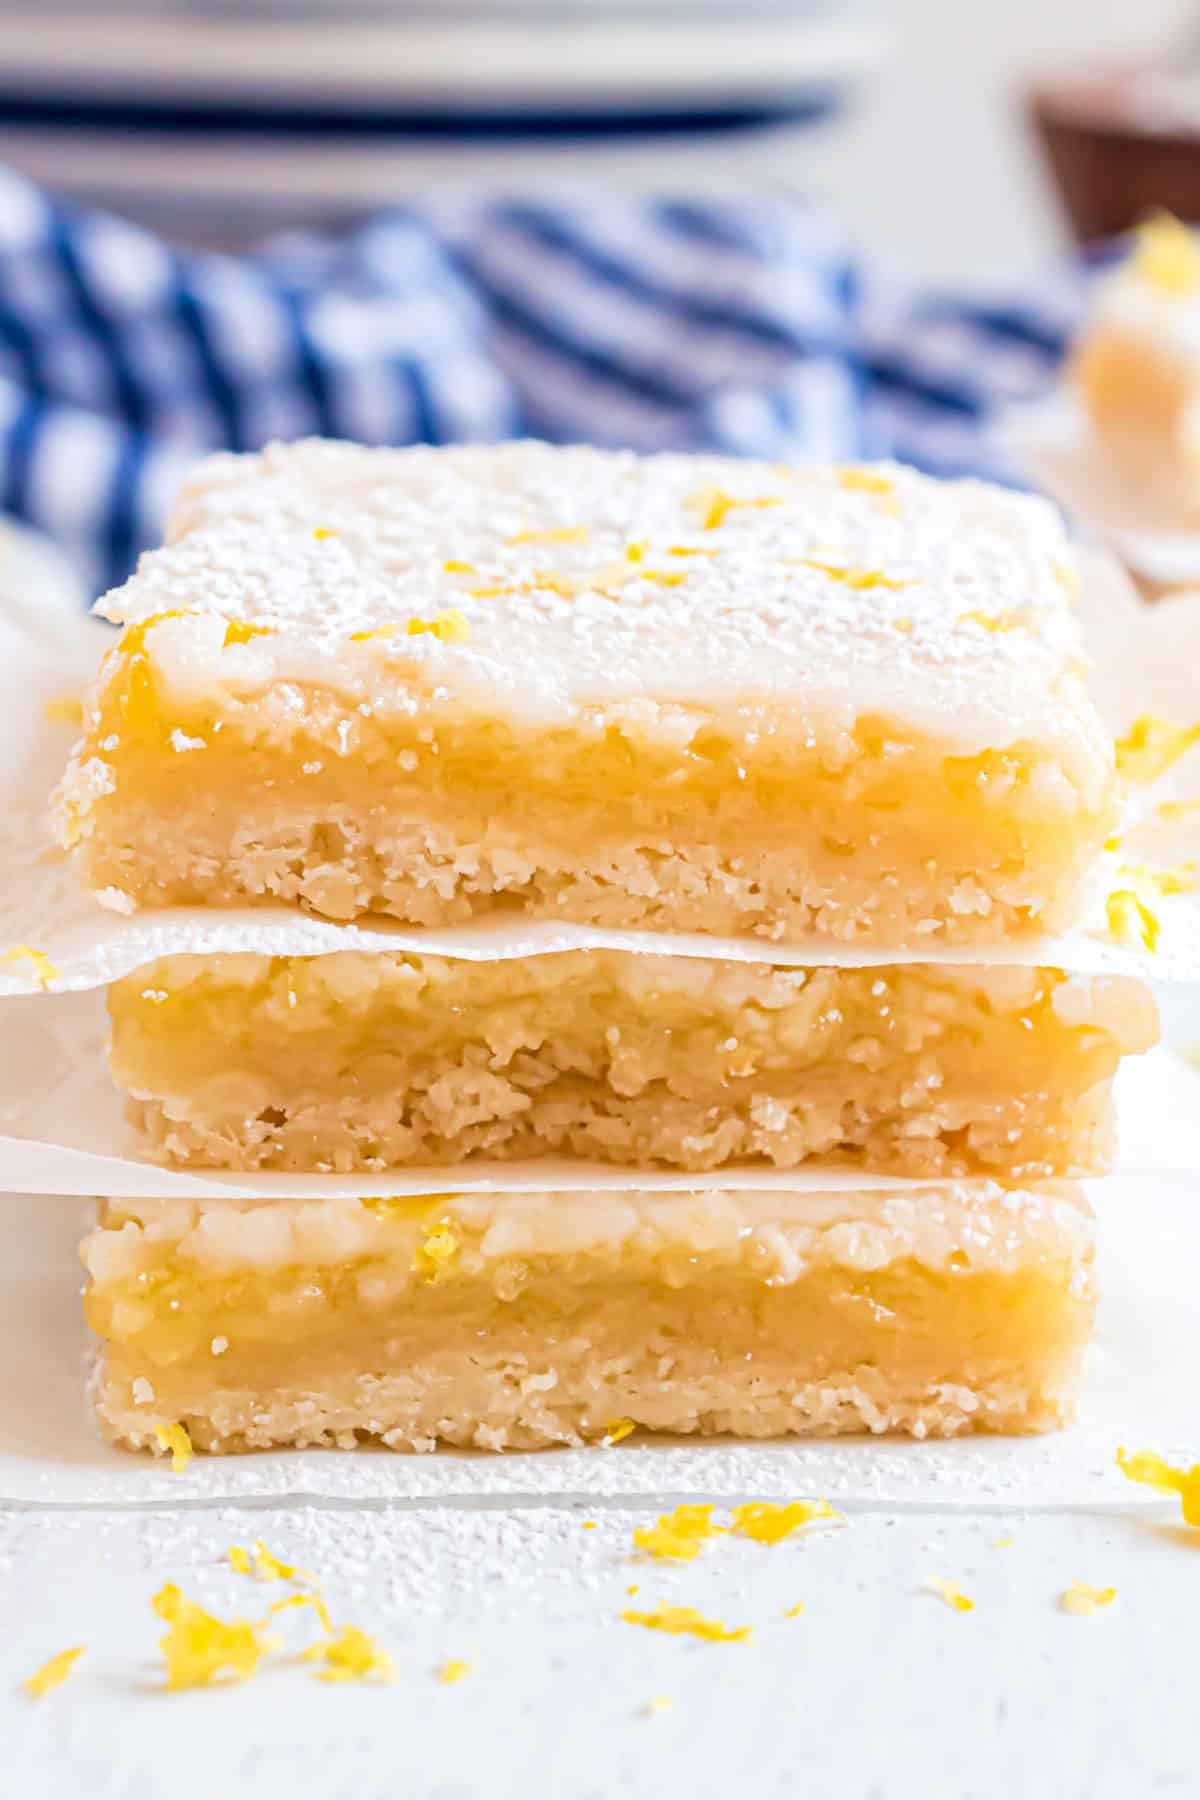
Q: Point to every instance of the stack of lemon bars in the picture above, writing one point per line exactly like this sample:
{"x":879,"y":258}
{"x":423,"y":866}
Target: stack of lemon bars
{"x":797,"y":759}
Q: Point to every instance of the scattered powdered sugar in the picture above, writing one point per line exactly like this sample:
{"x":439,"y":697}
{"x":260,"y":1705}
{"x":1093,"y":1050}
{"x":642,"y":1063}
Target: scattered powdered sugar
{"x":591,"y":578}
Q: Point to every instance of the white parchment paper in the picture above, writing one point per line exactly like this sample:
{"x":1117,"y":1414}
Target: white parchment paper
{"x":1140,"y":667}
{"x":1141,"y":1391}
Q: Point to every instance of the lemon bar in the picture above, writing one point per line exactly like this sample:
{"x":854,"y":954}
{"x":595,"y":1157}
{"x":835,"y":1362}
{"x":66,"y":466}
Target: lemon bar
{"x":675,"y":693}
{"x":521,"y":1320}
{"x":1136,"y":368}
{"x":359,"y":1061}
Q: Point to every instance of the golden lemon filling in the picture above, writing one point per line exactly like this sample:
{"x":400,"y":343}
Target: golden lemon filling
{"x":437,"y":819}
{"x":359,"y":1061}
{"x":263,"y":1323}
{"x":723,"y":697}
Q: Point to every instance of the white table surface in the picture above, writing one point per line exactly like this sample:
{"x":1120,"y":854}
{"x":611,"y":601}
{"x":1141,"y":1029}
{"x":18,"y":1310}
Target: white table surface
{"x":877,"y":1692}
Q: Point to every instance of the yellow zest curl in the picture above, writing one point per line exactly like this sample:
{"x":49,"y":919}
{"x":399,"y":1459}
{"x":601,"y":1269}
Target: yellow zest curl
{"x":685,"y":1621}
{"x":714,"y":505}
{"x":1154,"y":1471}
{"x":767,"y":1523}
{"x":200,"y":1648}
{"x":678,"y":1535}
{"x":1083,"y":1600}
{"x":240,"y":631}
{"x":952,"y":1595}
{"x":616,"y":1429}
{"x":1151,"y":745}
{"x":52,"y":1674}
{"x":350,"y":1655}
{"x":860,"y":581}
{"x":1131,"y":922}
{"x":175,"y":1439}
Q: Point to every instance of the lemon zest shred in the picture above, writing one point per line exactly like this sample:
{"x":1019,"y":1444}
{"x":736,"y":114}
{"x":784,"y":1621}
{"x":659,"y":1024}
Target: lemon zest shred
{"x":1084,"y":1600}
{"x":349,"y":1654}
{"x":241,"y":631}
{"x":685,"y":1621}
{"x":63,"y":709}
{"x":678,"y":1535}
{"x":1166,"y":256}
{"x":548,"y":581}
{"x":661,"y":1703}
{"x":793,"y":1612}
{"x":636,"y":552}
{"x":199,"y":1648}
{"x":689,"y":550}
{"x":437,"y":1257}
{"x":1002,"y":1543}
{"x":856,"y":477}
{"x":44,"y":971}
{"x":1151,"y":745}
{"x":952,"y":1595}
{"x":994,"y":622}
{"x":1178,"y":878}
{"x":448,"y":627}
{"x":320,"y":532}
{"x":239,"y":1560}
{"x":453,"y":567}
{"x":174,"y":1438}
{"x":269,"y":1568}
{"x":553,"y":534}
{"x":1177,"y":809}
{"x":52,"y":1674}
{"x":452,"y":1670}
{"x":616,"y":1429}
{"x":1130,"y":921}
{"x":859,"y":581}
{"x":768,"y":1523}
{"x":1155,"y":1471}
{"x":714,"y":505}
{"x":589,"y":1524}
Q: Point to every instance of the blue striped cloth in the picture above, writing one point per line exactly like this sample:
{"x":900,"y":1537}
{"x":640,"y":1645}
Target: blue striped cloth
{"x":745,"y":327}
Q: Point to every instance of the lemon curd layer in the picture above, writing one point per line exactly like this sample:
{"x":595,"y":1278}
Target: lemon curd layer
{"x":514,"y":1321}
{"x":677,"y":692}
{"x":360,"y":1061}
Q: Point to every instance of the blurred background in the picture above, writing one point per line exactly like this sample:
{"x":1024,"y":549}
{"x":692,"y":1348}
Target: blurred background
{"x":220,"y":119}
{"x":824,"y":147}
